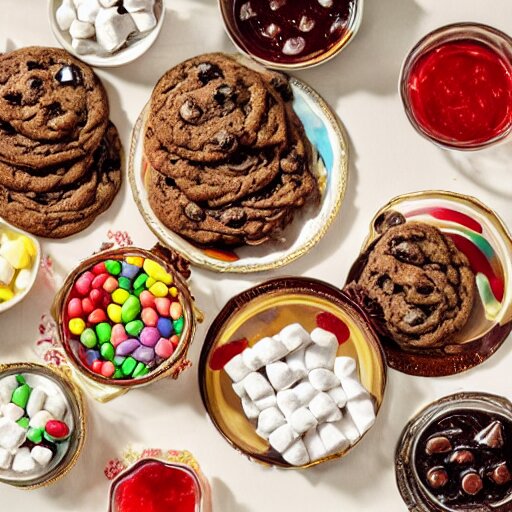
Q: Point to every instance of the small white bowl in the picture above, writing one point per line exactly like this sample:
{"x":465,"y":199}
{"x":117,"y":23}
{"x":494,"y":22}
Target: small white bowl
{"x":4,"y":306}
{"x":124,"y":56}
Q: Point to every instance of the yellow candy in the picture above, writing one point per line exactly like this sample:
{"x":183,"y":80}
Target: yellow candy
{"x":29,"y":246}
{"x":135,"y":260}
{"x":150,"y":282}
{"x":120,"y":295}
{"x":157,"y":272}
{"x":114,"y":313}
{"x":76,"y":326}
{"x":173,"y":291}
{"x":5,"y":294}
{"x":159,"y":289}
{"x":15,"y":252}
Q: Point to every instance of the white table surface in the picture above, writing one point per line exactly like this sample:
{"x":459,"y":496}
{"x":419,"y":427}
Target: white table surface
{"x":387,"y":158}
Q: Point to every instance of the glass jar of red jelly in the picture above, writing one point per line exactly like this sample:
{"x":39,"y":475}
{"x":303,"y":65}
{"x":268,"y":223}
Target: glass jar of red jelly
{"x":291,"y":34}
{"x":456,"y":86}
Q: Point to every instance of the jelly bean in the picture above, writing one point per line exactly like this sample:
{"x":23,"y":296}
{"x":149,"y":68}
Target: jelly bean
{"x":83,"y":283}
{"x":129,"y":271}
{"x":91,"y":356}
{"x":57,"y":429}
{"x":176,"y":310}
{"x":118,"y":374}
{"x":113,"y":267}
{"x":120,"y":296}
{"x":118,"y":334}
{"x":159,"y":289}
{"x":103,"y":331}
{"x":96,"y":297}
{"x":35,"y":435}
{"x":97,"y":316}
{"x":20,"y":380}
{"x":157,"y":272}
{"x":149,"y":336}
{"x":144,"y":354}
{"x":175,"y":341}
{"x":128,"y":366}
{"x":107,"y":351}
{"x":87,"y":306}
{"x":6,"y":294}
{"x":99,"y":268}
{"x":138,"y":261}
{"x":140,"y":281}
{"x":178,"y":325}
{"x":124,"y":283}
{"x":173,"y":291}
{"x":108,"y":369}
{"x":134,"y":327}
{"x":140,"y":370}
{"x":110,"y":284}
{"x":114,"y":313}
{"x":21,"y":395}
{"x":163,"y":305}
{"x":127,"y":347}
{"x":149,"y":317}
{"x":76,"y":326}
{"x":147,"y":299}
{"x":164,"y":348}
{"x":75,"y":309}
{"x":119,"y":360}
{"x":23,"y":422}
{"x":96,"y":366}
{"x":99,"y":281}
{"x":150,"y":281}
{"x":165,"y":327}
{"x":131,"y":308}
{"x":88,"y":338}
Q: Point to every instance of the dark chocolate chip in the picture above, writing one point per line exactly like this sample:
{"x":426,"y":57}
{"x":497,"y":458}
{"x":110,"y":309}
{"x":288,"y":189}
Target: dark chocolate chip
{"x":7,"y":127}
{"x":234,"y":218}
{"x":414,"y":317}
{"x":438,"y":444}
{"x":437,"y":478}
{"x":194,"y":212}
{"x":472,"y":483}
{"x":223,"y":93}
{"x":407,"y":252}
{"x":31,"y":64}
{"x":387,"y":220}
{"x":226,"y":141}
{"x":69,"y":75}
{"x":14,"y":98}
{"x":208,"y":72}
{"x":425,"y":289}
{"x":190,"y":111}
{"x":55,"y":109}
{"x":35,"y":83}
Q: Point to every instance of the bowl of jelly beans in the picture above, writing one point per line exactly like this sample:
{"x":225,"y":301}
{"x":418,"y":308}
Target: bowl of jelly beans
{"x":126,"y":316}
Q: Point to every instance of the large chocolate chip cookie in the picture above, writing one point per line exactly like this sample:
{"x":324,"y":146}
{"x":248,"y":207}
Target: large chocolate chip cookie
{"x":422,"y":283}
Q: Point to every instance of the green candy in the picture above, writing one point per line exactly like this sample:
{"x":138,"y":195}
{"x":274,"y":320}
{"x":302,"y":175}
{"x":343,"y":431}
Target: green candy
{"x":140,"y":281}
{"x":23,"y":422}
{"x":104,"y":332}
{"x":128,"y":366}
{"x":138,"y":291}
{"x":107,"y":351}
{"x":130,"y":310}
{"x":134,"y":327}
{"x":35,"y":435}
{"x":124,"y":283}
{"x":20,"y":380}
{"x":178,"y":325}
{"x":118,"y":374}
{"x":119,"y":360}
{"x":88,"y":338}
{"x":113,"y":267}
{"x":21,"y":395}
{"x":140,"y":370}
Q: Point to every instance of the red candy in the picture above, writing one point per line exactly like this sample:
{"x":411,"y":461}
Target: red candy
{"x":99,"y":268}
{"x":97,"y":366}
{"x":147,"y":299}
{"x":57,"y":429}
{"x":87,"y":306}
{"x":83,"y":283}
{"x":97,"y":316}
{"x":108,"y":369}
{"x":96,"y":297}
{"x":149,"y":316}
{"x":75,"y":309}
{"x":99,"y":281}
{"x":163,"y":305}
{"x":223,"y":354}
{"x":174,"y":340}
{"x":333,"y":324}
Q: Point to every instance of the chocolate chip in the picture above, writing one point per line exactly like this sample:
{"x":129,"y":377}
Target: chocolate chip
{"x":31,"y":64}
{"x":190,"y":111}
{"x":425,"y":289}
{"x":501,"y":474}
{"x":281,"y":84}
{"x":7,"y":127}
{"x":491,"y":436}
{"x":223,"y":93}
{"x":472,"y":484}
{"x":69,"y":75}
{"x":35,"y":83}
{"x":407,"y":252}
{"x":437,"y":478}
{"x":54,"y":109}
{"x":386,"y":284}
{"x":438,"y":444}
{"x":14,"y":98}
{"x":208,"y":72}
{"x":226,"y":141}
{"x":234,"y":218}
{"x":387,"y":220}
{"x":462,"y":457}
{"x":194,"y":212}
{"x":414,"y":317}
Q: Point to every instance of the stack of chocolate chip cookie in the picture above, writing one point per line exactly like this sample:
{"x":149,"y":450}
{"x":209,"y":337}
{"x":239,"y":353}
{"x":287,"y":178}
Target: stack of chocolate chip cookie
{"x":60,"y":163}
{"x":229,"y":163}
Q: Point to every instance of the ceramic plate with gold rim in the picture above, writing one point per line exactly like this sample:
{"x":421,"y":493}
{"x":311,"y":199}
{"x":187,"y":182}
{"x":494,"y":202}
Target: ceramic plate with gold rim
{"x":263,"y":311}
{"x":328,"y":138}
{"x":482,"y":236}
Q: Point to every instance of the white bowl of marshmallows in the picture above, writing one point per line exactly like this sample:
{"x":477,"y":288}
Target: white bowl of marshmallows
{"x":106,"y":33}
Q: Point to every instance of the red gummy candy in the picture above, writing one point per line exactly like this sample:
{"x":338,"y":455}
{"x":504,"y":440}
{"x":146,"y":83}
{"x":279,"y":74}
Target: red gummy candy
{"x":96,"y":297}
{"x":333,"y":324}
{"x":57,"y":429}
{"x":99,"y":281}
{"x":99,"y":268}
{"x":97,"y":366}
{"x":83,"y":283}
{"x":97,"y":316}
{"x":87,"y":306}
{"x":223,"y":354}
{"x":75,"y":309}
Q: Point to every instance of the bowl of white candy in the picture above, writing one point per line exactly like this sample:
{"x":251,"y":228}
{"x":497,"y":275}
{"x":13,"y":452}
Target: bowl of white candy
{"x":292,"y":373}
{"x":106,"y":33}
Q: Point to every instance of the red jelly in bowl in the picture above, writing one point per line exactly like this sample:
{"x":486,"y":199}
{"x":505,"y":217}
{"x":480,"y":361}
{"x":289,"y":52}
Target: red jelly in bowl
{"x":457,"y":86}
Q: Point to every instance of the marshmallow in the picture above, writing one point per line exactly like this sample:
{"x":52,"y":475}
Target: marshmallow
{"x":322,"y":379}
{"x":345,"y":367}
{"x":265,"y":403}
{"x":23,"y":461}
{"x":302,"y":420}
{"x":22,"y":280}
{"x":305,"y":392}
{"x":314,"y":445}
{"x":236,"y":369}
{"x":7,"y":386}
{"x":323,"y":338}
{"x":112,"y":29}
{"x":65,"y":15}
{"x":138,"y":5}
{"x":81,"y":30}
{"x":257,"y":386}
{"x":349,"y":429}
{"x":282,"y":438}
{"x":339,"y":396}
{"x":11,"y":434}
{"x":144,"y":21}
{"x":294,"y":336}
{"x":56,"y":406}
{"x":5,"y":458}
{"x":296,"y":454}
{"x":296,"y":363}
{"x":6,"y":272}
{"x":108,"y":3}
{"x":40,"y":419}
{"x":353,"y":388}
{"x":362,"y":412}
{"x":251,"y":360}
{"x":287,"y":401}
{"x":250,"y":409}
{"x":324,"y":408}
{"x":269,"y":420}
{"x":322,"y":353}
{"x":41,"y":455}
{"x":36,"y":401}
{"x":88,"y":11}
{"x":280,"y":375}
{"x":12,"y":411}
{"x":269,"y":350}
{"x":239,"y":389}
{"x":332,"y":438}
{"x":85,"y":46}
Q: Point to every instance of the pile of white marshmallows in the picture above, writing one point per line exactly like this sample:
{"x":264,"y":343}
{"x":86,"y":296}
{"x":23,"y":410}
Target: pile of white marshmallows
{"x":311,"y":403}
{"x":104,"y":26}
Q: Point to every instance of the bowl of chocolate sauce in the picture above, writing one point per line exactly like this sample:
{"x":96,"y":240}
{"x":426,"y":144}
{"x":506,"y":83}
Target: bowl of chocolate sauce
{"x":291,"y":34}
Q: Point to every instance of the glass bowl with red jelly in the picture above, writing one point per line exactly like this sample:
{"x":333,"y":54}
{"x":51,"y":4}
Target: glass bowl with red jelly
{"x":456,"y":86}
{"x":291,"y":34}
{"x":94,"y":338}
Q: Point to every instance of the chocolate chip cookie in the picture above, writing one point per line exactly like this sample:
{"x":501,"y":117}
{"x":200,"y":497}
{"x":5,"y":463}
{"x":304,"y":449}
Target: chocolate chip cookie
{"x":422,"y":283}
{"x":53,"y":108}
